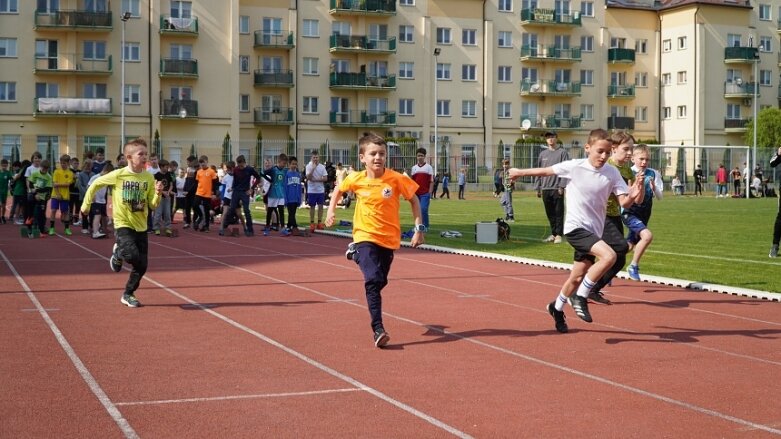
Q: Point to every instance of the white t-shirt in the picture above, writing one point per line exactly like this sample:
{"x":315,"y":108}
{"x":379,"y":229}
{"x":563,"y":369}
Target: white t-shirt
{"x":30,"y":170}
{"x":587,"y":193}
{"x":227,"y":180}
{"x":180,"y":187}
{"x":319,"y":172}
{"x":100,"y":195}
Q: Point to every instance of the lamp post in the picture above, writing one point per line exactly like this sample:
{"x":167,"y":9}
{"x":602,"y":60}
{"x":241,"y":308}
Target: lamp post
{"x":125,"y":17}
{"x":437,"y":51}
{"x":756,"y":85}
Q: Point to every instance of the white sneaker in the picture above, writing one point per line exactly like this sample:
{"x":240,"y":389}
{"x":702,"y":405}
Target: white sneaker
{"x":98,"y":235}
{"x":549,"y":239}
{"x":85,"y":231}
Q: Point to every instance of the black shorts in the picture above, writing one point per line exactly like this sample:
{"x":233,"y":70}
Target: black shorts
{"x":582,"y":241}
{"x":97,"y":209}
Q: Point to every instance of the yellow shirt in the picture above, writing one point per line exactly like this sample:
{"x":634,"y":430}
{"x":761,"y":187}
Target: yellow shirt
{"x":376,"y":216}
{"x":62,"y":176}
{"x":133,"y":195}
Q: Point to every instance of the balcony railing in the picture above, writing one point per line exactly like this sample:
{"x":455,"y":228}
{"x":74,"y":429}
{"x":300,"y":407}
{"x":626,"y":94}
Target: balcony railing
{"x":178,"y":109}
{"x":362,"y":118}
{"x":617,"y":55}
{"x":551,"y":53}
{"x":362,"y":43}
{"x":361,"y":81}
{"x":73,"y":19}
{"x":273,"y":116}
{"x":549,"y":88}
{"x":174,"y":68}
{"x":178,"y":26}
{"x":274,"y":78}
{"x":362,"y":7}
{"x":741,"y":55}
{"x":620,"y":91}
{"x":620,"y":123}
{"x":69,"y":107}
{"x":734,"y":90}
{"x":735,"y":125}
{"x":549,"y":17}
{"x":560,"y":123}
{"x":73,"y":63}
{"x":275,"y":40}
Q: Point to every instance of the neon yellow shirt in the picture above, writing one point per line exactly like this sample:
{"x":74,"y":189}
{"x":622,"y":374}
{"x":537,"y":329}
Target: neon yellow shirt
{"x":133,"y":195}
{"x":62,"y":176}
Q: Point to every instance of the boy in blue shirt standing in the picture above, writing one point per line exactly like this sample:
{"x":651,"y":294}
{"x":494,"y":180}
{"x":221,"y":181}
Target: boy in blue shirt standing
{"x":292,"y":196}
{"x":276,"y":193}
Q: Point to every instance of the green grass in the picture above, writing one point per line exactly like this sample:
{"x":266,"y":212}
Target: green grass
{"x":704,"y":239}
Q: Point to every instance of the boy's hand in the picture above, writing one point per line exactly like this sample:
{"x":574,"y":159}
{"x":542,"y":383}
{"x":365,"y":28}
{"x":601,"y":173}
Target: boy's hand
{"x":329,"y":218}
{"x":159,"y":187}
{"x":417,"y":239}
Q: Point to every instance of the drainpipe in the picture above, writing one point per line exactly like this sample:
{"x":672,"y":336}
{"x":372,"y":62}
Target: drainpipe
{"x":149,"y":71}
{"x":696,"y":63}
{"x":485,"y":46}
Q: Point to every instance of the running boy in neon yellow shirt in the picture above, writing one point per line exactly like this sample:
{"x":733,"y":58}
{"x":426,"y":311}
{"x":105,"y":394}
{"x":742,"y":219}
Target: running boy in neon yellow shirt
{"x":376,"y":222}
{"x":134,"y":193}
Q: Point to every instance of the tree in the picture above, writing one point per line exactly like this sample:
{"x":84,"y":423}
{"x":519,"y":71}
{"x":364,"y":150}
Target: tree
{"x":226,"y":148}
{"x":157,"y":146}
{"x":259,"y":150}
{"x":769,"y":129}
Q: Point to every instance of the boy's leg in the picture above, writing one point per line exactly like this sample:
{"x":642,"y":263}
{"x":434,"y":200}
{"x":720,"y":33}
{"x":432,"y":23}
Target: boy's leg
{"x":157,"y":217}
{"x":641,"y":237}
{"x":613,"y":235}
{"x":166,"y":202}
{"x":425,"y":200}
{"x":132,"y":247}
{"x":375,"y":263}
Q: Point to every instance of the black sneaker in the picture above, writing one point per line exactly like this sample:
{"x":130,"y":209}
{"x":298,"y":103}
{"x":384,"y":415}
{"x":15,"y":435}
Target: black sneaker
{"x":115,"y":262}
{"x":773,"y":251}
{"x":558,"y":317}
{"x":599,"y":297}
{"x":350,"y":251}
{"x":130,"y":300}
{"x":381,"y":338}
{"x":580,"y":305}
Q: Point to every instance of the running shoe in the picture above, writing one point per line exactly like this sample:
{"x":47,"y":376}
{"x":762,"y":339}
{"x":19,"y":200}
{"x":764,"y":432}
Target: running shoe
{"x":558,"y":317}
{"x":68,"y":232}
{"x":284,"y":232}
{"x":266,"y":232}
{"x":550,"y":238}
{"x":773,"y":251}
{"x":381,"y":338}
{"x":350,"y":253}
{"x":580,"y":306}
{"x":320,"y":226}
{"x":557,"y":240}
{"x":599,"y":297}
{"x":51,"y":231}
{"x":634,"y":272}
{"x":116,"y":264}
{"x":130,"y":300}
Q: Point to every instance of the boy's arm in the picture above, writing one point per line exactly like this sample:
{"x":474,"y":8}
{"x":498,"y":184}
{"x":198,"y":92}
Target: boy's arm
{"x":516,"y":173}
{"x":659,"y":186}
{"x":636,"y":193}
{"x":103,"y":180}
{"x":331,"y":215}
{"x":418,"y":237}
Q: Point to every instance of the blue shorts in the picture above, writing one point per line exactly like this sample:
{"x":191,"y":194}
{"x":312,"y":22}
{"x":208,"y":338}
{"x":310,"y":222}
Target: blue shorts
{"x":315,"y":199}
{"x":635,"y":226}
{"x":61,"y":205}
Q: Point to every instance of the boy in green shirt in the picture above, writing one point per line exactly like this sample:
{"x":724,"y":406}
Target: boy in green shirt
{"x":40,"y":184}
{"x":5,"y":178}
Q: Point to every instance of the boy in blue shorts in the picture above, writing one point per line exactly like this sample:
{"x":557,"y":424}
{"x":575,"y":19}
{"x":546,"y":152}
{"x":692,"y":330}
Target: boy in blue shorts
{"x":636,"y":216}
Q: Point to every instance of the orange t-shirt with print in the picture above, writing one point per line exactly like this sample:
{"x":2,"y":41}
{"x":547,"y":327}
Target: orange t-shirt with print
{"x":376,"y":217}
{"x":205,"y":179}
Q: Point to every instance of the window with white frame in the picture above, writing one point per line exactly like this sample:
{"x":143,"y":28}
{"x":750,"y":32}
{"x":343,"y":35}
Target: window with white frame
{"x":682,"y":43}
{"x":764,"y":12}
{"x":641,"y":46}
{"x":7,"y":91}
{"x":587,"y":9}
{"x":529,"y":110}
{"x":244,"y":103}
{"x":617,"y":43}
{"x":132,"y":52}
{"x":406,"y":34}
{"x":504,"y":38}
{"x":181,"y":9}
{"x":7,"y":47}
{"x":94,"y":50}
{"x":407,"y":2}
{"x":682,"y":77}
{"x":46,"y":90}
{"x":734,"y":40}
{"x":587,"y":43}
{"x":310,"y":66}
{"x":562,"y":110}
{"x":443,"y":71}
{"x":468,"y":72}
{"x":667,"y":113}
{"x":444,"y":35}
{"x":529,"y":74}
{"x":765,"y":77}
{"x":468,"y":108}
{"x":505,"y":6}
{"x":641,"y":79}
{"x":131,"y":6}
{"x":587,"y":111}
{"x":562,"y":7}
{"x":469,"y":37}
{"x":504,"y":74}
{"x":310,"y":105}
{"x":667,"y":78}
{"x":587,"y":77}
{"x":341,"y":28}
{"x":733,"y":111}
{"x":243,"y":64}
{"x":641,"y":114}
{"x":406,"y":70}
{"x":42,"y":145}
{"x":310,"y":28}
{"x":133,"y":94}
{"x":682,"y":112}
{"x":181,"y":51}
{"x":94,"y":91}
{"x":667,"y":45}
{"x":443,"y":108}
{"x":765,"y":44}
{"x":406,"y":107}
{"x":244,"y":24}
{"x":10,"y":141}
{"x":504,"y":110}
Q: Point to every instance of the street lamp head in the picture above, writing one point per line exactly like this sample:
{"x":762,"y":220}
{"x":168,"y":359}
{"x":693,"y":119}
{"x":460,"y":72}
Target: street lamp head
{"x":437,"y":51}
{"x":126,"y":16}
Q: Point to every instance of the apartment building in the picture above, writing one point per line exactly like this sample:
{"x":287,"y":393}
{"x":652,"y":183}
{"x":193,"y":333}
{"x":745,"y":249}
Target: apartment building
{"x":326,"y":70}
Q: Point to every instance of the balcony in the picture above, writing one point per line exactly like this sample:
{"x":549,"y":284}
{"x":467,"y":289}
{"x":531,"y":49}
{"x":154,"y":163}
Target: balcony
{"x":552,"y":53}
{"x":621,"y":91}
{"x":273,"y":116}
{"x":741,"y":55}
{"x":549,"y":88}
{"x":73,"y":63}
{"x":541,"y":122}
{"x":361,"y":44}
{"x":361,"y":81}
{"x":274,"y":78}
{"x":178,"y":68}
{"x":735,"y":125}
{"x":362,"y":7}
{"x":174,"y":26}
{"x":72,"y":107}
{"x":78,"y":20}
{"x":620,"y":123}
{"x":362,"y":119}
{"x":178,"y":109}
{"x":617,"y":55}
{"x":739,"y":89}
{"x":549,"y":17}
{"x":274,"y":40}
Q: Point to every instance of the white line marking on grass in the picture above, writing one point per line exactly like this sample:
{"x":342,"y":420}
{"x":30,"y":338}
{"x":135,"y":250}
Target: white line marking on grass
{"x":240,"y":397}
{"x":88,"y":378}
{"x":717,"y":258}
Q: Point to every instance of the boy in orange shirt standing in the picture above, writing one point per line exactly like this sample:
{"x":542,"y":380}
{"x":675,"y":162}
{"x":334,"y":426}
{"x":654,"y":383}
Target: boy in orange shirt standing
{"x":208,"y":184}
{"x":376,"y":222}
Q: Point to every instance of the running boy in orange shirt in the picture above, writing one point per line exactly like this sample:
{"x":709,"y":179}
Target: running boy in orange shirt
{"x":376,"y":222}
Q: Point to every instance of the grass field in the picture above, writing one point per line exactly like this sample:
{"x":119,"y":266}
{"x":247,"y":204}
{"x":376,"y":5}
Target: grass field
{"x":706,"y":239}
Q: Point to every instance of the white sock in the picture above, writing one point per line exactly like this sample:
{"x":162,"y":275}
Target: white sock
{"x":560,"y":302}
{"x":585,"y":287}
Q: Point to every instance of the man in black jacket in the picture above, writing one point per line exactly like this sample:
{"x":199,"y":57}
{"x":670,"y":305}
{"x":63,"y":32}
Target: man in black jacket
{"x":777,"y":227}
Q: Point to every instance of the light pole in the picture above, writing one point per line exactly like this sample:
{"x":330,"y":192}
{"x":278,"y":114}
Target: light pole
{"x":756,"y":93}
{"x":437,"y":51}
{"x":125,"y":17}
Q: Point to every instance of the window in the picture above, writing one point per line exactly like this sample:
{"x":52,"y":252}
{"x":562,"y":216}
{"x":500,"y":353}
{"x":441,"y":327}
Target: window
{"x":10,"y":142}
{"x":310,"y":66}
{"x":443,"y":107}
{"x":468,"y":72}
{"x":764,"y":12}
{"x":641,"y":79}
{"x":682,"y":77}
{"x":587,"y":9}
{"x":529,"y":74}
{"x":132,"y":52}
{"x":46,"y":90}
{"x":505,"y":5}
{"x":587,"y":43}
{"x":95,"y":50}
{"x":243,"y":64}
{"x":682,"y":112}
{"x":131,"y":6}
{"x":765,"y":77}
{"x":244,"y":24}
{"x":42,"y":145}
{"x":7,"y":92}
{"x":468,"y":108}
{"x":181,"y":51}
{"x":504,"y":110}
{"x":443,"y":35}
{"x":504,"y":74}
{"x":407,"y":2}
{"x":733,"y":40}
{"x":311,"y":28}
{"x":681,"y":43}
{"x":667,"y":78}
{"x":9,"y":7}
{"x":765,"y":44}
{"x":181,"y":9}
{"x":505,"y":39}
{"x":469,"y":37}
{"x":94,"y":91}
{"x":641,"y":46}
{"x":310,"y":104}
{"x":666,"y":113}
{"x":587,"y":111}
{"x":733,"y":111}
{"x":132,"y":94}
{"x":529,"y":110}
{"x":95,"y":5}
{"x":406,"y":34}
{"x":406,"y":70}
{"x":667,"y":45}
{"x":244,"y":103}
{"x":587,"y":77}
{"x":406,"y":107}
{"x":7,"y":47}
{"x":617,"y":43}
{"x":443,"y":71}
{"x":641,"y":114}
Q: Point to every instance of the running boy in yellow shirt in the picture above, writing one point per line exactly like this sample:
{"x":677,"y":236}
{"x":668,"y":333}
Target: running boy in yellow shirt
{"x":376,"y":222}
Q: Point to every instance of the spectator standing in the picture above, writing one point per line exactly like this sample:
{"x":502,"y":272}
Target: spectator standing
{"x":461,"y":183}
{"x":62,"y":179}
{"x":722,"y":180}
{"x":245,"y":180}
{"x":208,"y":185}
{"x":192,"y":213}
{"x":774,"y":161}
{"x":506,"y":201}
{"x":423,"y":174}
{"x":74,"y":193}
{"x":162,"y":213}
{"x":699,"y":178}
{"x":6,"y":177}
{"x":293,"y":195}
{"x":316,"y":176}
{"x":445,"y":182}
{"x":551,"y":188}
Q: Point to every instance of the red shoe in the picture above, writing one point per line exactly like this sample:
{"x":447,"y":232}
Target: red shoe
{"x":28,"y":222}
{"x":312,"y":227}
{"x":320,"y":226}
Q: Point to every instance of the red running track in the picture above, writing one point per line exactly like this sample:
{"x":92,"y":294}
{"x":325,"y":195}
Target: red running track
{"x":269,"y":337}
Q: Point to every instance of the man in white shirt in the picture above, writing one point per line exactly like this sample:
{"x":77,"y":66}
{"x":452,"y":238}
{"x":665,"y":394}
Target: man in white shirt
{"x":316,"y":176}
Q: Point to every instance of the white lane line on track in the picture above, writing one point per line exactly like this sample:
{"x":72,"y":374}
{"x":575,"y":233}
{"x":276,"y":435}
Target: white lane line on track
{"x":240,"y":397}
{"x":88,"y":378}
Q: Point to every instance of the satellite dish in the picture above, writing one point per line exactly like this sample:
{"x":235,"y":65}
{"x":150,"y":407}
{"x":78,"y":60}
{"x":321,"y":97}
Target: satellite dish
{"x":526,"y":124}
{"x":535,"y":88}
